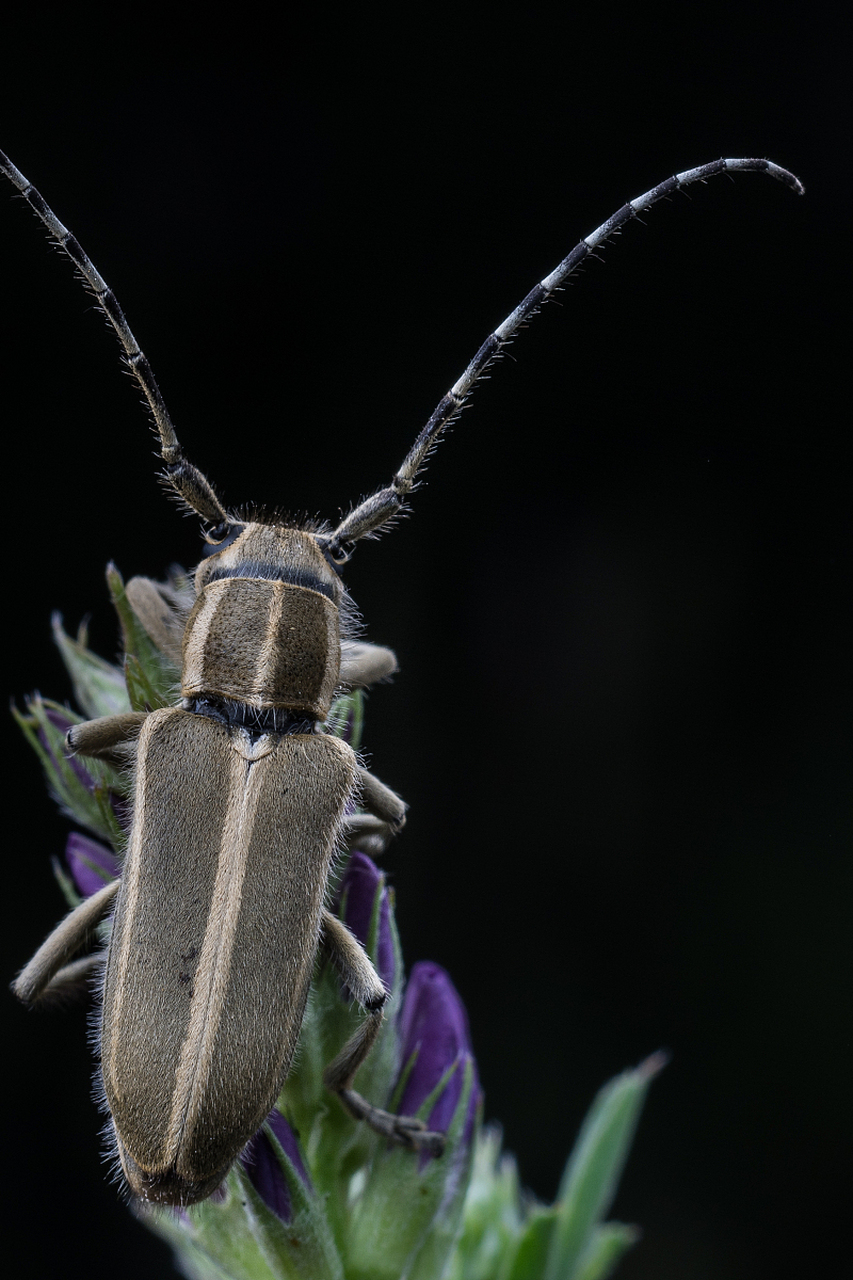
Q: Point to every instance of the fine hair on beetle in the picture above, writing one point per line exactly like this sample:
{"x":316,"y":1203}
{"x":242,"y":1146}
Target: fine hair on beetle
{"x":243,"y":803}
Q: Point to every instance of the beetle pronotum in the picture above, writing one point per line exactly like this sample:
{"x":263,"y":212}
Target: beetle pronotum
{"x":242,"y":802}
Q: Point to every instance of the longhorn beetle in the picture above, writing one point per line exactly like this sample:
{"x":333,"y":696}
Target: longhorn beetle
{"x":242,"y":801}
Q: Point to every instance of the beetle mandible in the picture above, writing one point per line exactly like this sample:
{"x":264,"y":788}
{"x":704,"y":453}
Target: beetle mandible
{"x":242,"y":801}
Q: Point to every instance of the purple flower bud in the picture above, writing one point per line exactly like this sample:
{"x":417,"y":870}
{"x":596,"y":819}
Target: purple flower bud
{"x":92,"y":865}
{"x":434,"y":1028}
{"x":361,"y":882}
{"x":59,"y":719}
{"x":63,"y":723}
{"x":261,"y":1162}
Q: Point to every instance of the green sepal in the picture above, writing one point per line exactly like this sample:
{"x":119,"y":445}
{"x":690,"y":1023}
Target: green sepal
{"x":402,"y":1204}
{"x":117,"y":785}
{"x":441,"y":1235}
{"x":87,"y":804}
{"x":99,"y":687}
{"x":347,"y":708}
{"x":140,"y":690}
{"x":605,"y":1249}
{"x":242,"y":1237}
{"x":151,"y":677}
{"x":594,"y":1167}
{"x":189,"y":1260}
{"x":529,"y":1258}
{"x":66,"y":885}
{"x":493,"y":1212}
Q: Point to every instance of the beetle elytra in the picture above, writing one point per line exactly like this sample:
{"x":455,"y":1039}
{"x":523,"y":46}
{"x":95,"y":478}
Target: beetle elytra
{"x":242,"y":802}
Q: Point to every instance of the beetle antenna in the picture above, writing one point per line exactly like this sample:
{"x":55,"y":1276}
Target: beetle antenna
{"x":377,"y":511}
{"x":194,"y":489}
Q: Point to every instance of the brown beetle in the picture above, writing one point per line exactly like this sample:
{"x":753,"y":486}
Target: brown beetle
{"x":242,"y":801}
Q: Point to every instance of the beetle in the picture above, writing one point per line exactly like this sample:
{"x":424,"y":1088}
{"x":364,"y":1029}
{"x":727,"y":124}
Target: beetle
{"x":242,"y":801}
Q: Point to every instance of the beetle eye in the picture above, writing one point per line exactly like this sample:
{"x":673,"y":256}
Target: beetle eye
{"x":337,"y":553}
{"x":220,"y":536}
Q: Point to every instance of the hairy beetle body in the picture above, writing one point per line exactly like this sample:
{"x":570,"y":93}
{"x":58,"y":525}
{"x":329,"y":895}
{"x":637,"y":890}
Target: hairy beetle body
{"x":265,"y":630}
{"x":212,"y":951}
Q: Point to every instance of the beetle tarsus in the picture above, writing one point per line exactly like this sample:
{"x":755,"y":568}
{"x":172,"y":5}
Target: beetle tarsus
{"x":408,"y":1131}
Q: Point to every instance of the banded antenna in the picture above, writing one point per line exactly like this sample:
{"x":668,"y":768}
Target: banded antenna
{"x":191,"y":486}
{"x":370,"y":516}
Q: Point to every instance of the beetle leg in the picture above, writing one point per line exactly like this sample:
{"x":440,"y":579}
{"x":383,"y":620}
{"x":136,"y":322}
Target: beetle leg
{"x":99,"y":737}
{"x":73,"y":980}
{"x":371,"y":831}
{"x":363,"y":664}
{"x":381,"y":801}
{"x":353,"y":964}
{"x":365,"y":832}
{"x":162,"y":613}
{"x":54,"y":953}
{"x":354,"y":967}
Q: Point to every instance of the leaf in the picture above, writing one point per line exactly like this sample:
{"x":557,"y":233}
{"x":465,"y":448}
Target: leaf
{"x":595,"y":1165}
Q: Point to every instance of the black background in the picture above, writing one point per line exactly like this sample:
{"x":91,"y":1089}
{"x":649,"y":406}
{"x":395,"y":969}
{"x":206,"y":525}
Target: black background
{"x":620,"y":606}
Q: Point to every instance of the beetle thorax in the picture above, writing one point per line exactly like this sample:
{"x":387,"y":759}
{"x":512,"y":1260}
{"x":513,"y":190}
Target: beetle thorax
{"x":265,"y":628}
